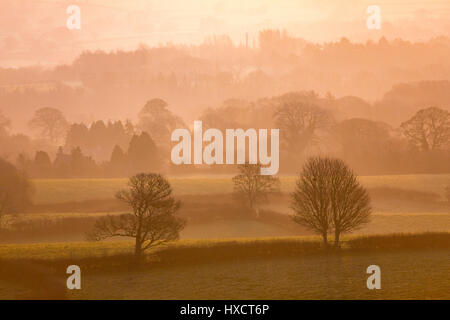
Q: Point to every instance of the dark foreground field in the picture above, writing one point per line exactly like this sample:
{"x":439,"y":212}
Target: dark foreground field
{"x":405,"y":275}
{"x":413,"y":266}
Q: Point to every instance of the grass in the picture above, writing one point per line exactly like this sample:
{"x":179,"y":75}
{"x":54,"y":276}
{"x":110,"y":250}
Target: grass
{"x":65,"y":228}
{"x":81,"y":250}
{"x":401,"y":203}
{"x":413,"y":266}
{"x":395,"y":223}
{"x":206,"y":250}
{"x":405,"y":275}
{"x":67,"y":190}
{"x":71,"y":227}
{"x":71,"y":250}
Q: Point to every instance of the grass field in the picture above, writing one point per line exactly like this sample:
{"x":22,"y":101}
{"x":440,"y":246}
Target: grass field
{"x":71,"y":227}
{"x":79,"y":250}
{"x":224,"y":254}
{"x":412,"y":266}
{"x":67,"y":209}
{"x":405,"y":275}
{"x":67,"y":190}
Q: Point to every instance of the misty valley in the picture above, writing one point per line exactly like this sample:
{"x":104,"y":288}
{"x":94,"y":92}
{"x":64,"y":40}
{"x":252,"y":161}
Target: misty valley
{"x":213,"y":153}
{"x":231,"y":150}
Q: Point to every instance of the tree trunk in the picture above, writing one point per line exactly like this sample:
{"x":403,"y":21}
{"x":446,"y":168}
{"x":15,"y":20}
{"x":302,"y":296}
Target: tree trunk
{"x":138,"y":245}
{"x":256,"y":211}
{"x":337,"y":233}
{"x":325,"y":239}
{"x":138,"y":250}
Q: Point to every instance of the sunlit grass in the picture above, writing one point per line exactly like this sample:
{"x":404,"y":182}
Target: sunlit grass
{"x":78,"y":250}
{"x":66,"y":190}
{"x":414,"y":266}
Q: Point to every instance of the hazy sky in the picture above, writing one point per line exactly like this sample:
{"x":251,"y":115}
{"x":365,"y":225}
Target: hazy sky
{"x":34,"y":31}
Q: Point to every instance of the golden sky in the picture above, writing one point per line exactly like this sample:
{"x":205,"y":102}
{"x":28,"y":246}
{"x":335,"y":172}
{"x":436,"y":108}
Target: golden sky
{"x":27,"y":25}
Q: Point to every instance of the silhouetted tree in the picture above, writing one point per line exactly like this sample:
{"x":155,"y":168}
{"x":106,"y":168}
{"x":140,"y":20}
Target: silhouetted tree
{"x":428,"y":129}
{"x":50,"y":122}
{"x":129,"y":128}
{"x":23,"y":162}
{"x":299,"y":120}
{"x":77,"y":162}
{"x":310,"y":200}
{"x":350,"y":202}
{"x":365,"y":143}
{"x":221,"y":118}
{"x":15,"y":190}
{"x":78,"y":136}
{"x":61,"y":164}
{"x":143,"y":154}
{"x":42,"y":160}
{"x":99,"y":139}
{"x":328,"y":197}
{"x":42,"y":165}
{"x":117,"y":134}
{"x":118,"y":161}
{"x":159,"y":121}
{"x":153,"y":222}
{"x":252,"y":187}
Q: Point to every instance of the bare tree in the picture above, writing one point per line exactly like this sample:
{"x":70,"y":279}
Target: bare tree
{"x":429,"y":129}
{"x":153,"y":221}
{"x":349,"y":200}
{"x":252,"y":187}
{"x":328,"y":198}
{"x":50,"y":122}
{"x":299,"y":122}
{"x":310,"y":200}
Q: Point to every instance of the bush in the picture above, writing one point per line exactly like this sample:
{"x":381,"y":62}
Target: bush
{"x":427,"y":240}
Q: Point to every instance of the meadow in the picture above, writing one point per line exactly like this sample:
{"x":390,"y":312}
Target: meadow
{"x":414,"y":266}
{"x":65,"y":209}
{"x":406,"y":275}
{"x":225,"y":253}
{"x":71,"y":227}
{"x":67,"y":190}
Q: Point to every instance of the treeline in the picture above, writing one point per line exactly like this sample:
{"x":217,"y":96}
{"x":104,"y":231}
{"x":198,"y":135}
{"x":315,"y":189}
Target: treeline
{"x":111,"y":84}
{"x":141,"y":155}
{"x":111,"y":149}
{"x":100,"y":138}
{"x":309,"y":124}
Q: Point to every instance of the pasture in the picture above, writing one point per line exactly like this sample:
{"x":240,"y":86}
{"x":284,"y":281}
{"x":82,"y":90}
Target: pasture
{"x":406,"y":275}
{"x":66,"y":209}
{"x":226,"y":254}
{"x":68,"y":190}
{"x":71,"y":227}
{"x":413,"y":266}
